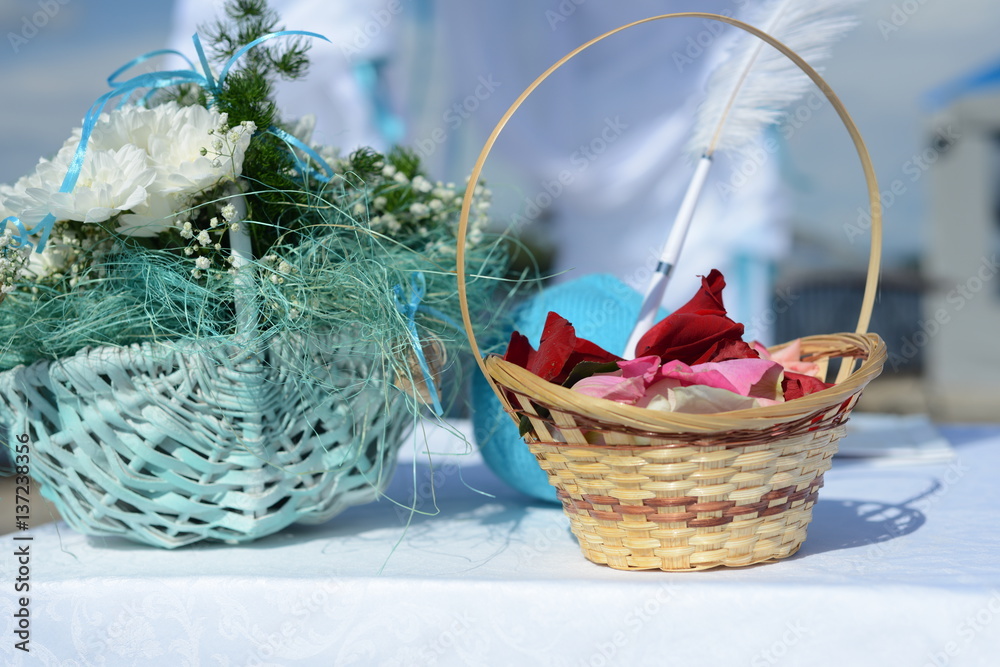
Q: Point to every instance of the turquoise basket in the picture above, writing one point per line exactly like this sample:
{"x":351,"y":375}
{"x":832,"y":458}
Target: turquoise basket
{"x":170,"y":445}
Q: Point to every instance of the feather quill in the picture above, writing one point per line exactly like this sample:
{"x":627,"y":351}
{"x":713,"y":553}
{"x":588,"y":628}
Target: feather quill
{"x":755,"y":83}
{"x":746,"y":93}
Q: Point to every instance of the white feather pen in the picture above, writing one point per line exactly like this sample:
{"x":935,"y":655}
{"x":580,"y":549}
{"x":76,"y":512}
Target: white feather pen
{"x":748,"y":91}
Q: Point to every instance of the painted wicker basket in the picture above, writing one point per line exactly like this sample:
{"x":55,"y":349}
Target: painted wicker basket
{"x":174,"y":443}
{"x":645,"y":489}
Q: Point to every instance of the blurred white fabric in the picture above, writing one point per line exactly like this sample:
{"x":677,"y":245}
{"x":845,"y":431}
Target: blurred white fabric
{"x":644,"y":85}
{"x":345,"y":111}
{"x":598,"y":150}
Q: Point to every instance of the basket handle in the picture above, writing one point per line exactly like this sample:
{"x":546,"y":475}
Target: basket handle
{"x":874,"y":259}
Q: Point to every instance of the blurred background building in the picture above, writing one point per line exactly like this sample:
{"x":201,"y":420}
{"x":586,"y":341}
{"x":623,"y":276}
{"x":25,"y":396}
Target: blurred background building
{"x":937,"y":167}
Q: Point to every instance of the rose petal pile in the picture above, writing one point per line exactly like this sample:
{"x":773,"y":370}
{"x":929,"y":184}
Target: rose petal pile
{"x":695,"y":360}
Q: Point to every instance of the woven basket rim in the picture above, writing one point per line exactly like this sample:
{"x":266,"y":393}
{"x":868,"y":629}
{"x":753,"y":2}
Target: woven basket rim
{"x":868,"y":346}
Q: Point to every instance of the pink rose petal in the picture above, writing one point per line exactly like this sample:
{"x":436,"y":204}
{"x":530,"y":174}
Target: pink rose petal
{"x":612,"y":387}
{"x":790,"y":357}
{"x":758,"y":378}
{"x":645,"y":367}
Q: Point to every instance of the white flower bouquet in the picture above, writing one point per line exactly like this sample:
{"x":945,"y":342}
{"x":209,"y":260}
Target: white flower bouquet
{"x":213,"y":328}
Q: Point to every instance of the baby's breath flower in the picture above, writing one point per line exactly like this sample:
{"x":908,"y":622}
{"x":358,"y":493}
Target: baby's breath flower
{"x":203,"y":263}
{"x":189,"y":251}
{"x":420,"y":210}
{"x":388,"y":171}
{"x":213,"y":223}
{"x":285,"y":267}
{"x":380,"y":202}
{"x":421,"y":184}
{"x":228,"y":212}
{"x":435,"y":205}
{"x":186,"y":231}
{"x":204,"y":238}
{"x":358,"y":209}
{"x":235,"y":227}
{"x":400,"y":177}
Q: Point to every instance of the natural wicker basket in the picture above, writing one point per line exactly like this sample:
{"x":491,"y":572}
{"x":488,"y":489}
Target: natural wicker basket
{"x":645,"y":489}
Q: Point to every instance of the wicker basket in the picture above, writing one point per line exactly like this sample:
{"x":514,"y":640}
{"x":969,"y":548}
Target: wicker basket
{"x":645,"y":489}
{"x":174,"y":443}
{"x":170,"y":446}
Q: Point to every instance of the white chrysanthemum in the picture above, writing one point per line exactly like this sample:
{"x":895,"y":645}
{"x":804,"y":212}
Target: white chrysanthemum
{"x":176,"y":150}
{"x":158,"y":214}
{"x":173,"y":137}
{"x":146,"y":162}
{"x":110,"y":182}
{"x":15,"y":200}
{"x":56,"y":258}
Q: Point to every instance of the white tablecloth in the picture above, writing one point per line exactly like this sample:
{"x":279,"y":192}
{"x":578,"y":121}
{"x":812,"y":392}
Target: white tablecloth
{"x":901,"y":567}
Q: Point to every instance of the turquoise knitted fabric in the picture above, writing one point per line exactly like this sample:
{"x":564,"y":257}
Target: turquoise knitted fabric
{"x":603,"y":310}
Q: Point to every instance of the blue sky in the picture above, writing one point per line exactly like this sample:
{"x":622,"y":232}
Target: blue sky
{"x":50,"y":79}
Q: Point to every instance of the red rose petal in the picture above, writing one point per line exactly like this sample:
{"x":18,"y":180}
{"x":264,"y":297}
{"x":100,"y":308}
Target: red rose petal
{"x":708,"y":300}
{"x":797,"y":385}
{"x":689,"y":338}
{"x":733,"y":349}
{"x":559,"y":351}
{"x":519,"y":350}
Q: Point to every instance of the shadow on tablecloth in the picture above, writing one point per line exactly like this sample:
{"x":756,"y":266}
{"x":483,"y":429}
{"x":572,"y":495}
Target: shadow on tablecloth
{"x":847,"y":524}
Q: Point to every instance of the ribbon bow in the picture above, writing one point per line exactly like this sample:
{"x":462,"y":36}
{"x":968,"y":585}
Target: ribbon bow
{"x":153,"y":81}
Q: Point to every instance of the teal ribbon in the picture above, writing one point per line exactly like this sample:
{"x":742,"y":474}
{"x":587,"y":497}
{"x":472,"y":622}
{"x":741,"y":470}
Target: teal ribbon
{"x":409,"y":310}
{"x":301,"y":164}
{"x":151,"y":82}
